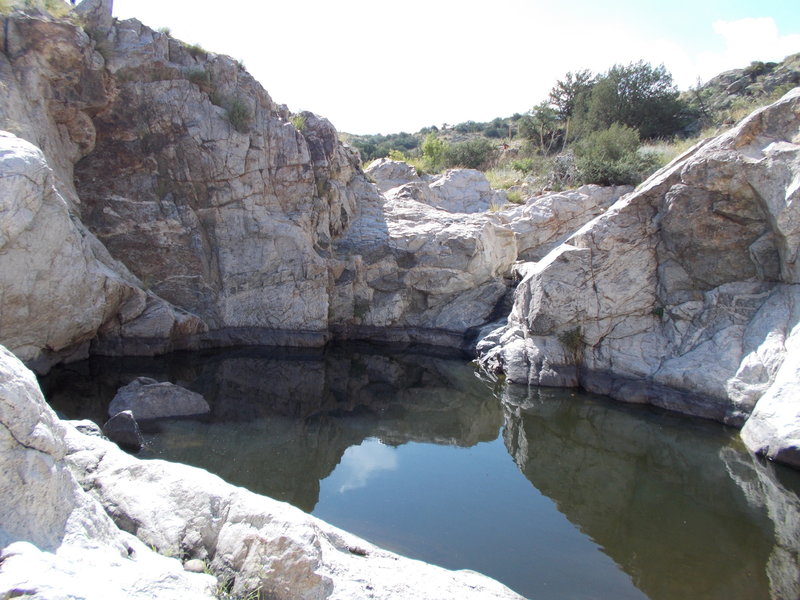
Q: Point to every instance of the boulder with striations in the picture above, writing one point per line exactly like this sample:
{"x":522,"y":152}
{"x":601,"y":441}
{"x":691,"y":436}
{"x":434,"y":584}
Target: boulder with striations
{"x":682,"y":294}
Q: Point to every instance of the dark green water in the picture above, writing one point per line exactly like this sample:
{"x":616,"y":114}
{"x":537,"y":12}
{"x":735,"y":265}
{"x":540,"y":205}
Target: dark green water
{"x":556,"y":493}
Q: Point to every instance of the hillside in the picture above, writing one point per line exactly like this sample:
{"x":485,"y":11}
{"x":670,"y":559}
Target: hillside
{"x":552,"y":146}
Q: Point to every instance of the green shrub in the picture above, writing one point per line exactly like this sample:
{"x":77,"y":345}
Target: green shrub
{"x":433,"y":150}
{"x":610,"y":157}
{"x":515,"y":197}
{"x":299,"y":122}
{"x":501,"y":178}
{"x":524,"y":165}
{"x":396,"y":155}
{"x":238,"y":115}
{"x":164,"y":30}
{"x":472,"y":154}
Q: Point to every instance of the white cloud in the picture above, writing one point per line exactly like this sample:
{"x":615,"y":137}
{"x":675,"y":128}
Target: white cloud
{"x":744,"y":41}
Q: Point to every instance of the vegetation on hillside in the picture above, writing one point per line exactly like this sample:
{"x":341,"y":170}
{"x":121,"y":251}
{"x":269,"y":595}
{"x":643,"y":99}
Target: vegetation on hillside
{"x":609,"y":128}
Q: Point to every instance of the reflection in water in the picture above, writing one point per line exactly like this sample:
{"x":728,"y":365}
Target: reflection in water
{"x":657,"y":493}
{"x":360,"y":462}
{"x":407,"y":449}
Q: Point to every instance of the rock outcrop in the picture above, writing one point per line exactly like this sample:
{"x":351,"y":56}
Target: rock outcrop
{"x":683,"y":294}
{"x":50,"y":529}
{"x":199,"y":212}
{"x":58,"y":537}
{"x":408,"y":267}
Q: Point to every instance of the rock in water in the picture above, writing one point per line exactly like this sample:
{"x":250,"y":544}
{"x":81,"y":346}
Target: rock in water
{"x":150,"y":399}
{"x":58,"y":540}
{"x":123,"y":430}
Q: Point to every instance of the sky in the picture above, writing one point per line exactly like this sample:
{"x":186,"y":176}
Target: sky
{"x":373,"y":66}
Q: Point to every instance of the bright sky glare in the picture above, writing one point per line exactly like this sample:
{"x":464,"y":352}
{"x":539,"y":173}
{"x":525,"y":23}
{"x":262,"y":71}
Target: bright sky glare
{"x":383,"y":67}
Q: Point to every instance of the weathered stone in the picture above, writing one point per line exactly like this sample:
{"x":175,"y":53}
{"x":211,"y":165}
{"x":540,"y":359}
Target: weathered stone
{"x":150,"y":399}
{"x":545,"y":221}
{"x":195,"y":565}
{"x":686,"y":285}
{"x":47,"y":270}
{"x":56,"y":541}
{"x":123,"y":430}
{"x":96,"y":14}
{"x":390,"y":174}
{"x":464,"y":191}
{"x":409,"y":267}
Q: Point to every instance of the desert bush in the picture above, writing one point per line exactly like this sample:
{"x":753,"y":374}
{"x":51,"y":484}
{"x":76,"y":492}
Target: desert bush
{"x":610,"y":157}
{"x":433,"y":151}
{"x":238,"y":115}
{"x":515,"y":197}
{"x":501,"y":178}
{"x":201,"y":78}
{"x":472,"y":154}
{"x":195,"y":49}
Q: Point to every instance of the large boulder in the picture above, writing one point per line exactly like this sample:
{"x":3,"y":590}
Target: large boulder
{"x":412,"y":271}
{"x":682,"y":293}
{"x":464,"y":191}
{"x":147,"y":398}
{"x":123,"y":430}
{"x":545,"y":221}
{"x":388,"y":173}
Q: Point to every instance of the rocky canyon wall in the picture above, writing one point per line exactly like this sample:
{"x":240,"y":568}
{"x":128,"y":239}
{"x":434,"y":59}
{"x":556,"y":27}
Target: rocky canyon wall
{"x":683,"y":294}
{"x":157,"y":198}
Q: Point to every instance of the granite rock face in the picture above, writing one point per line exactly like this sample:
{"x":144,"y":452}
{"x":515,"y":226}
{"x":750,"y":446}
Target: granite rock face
{"x":204,"y":188}
{"x":407,"y":266}
{"x":682,"y":294}
{"x":59,"y":538}
{"x":208,"y":215}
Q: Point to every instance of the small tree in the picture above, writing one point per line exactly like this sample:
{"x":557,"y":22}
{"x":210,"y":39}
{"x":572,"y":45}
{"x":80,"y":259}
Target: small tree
{"x":571,"y":92}
{"x":433,"y":151}
{"x":542,"y":126}
{"x":637,"y":95}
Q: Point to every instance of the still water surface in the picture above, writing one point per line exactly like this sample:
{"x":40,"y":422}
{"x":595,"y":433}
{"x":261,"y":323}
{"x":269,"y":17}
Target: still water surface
{"x":557,"y":493}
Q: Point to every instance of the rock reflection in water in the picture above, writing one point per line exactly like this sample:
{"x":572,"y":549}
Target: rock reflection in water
{"x":282,"y":419}
{"x":676,"y":503}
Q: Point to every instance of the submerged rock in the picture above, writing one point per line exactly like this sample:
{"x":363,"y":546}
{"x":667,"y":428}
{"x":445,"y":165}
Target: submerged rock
{"x":147,"y":398}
